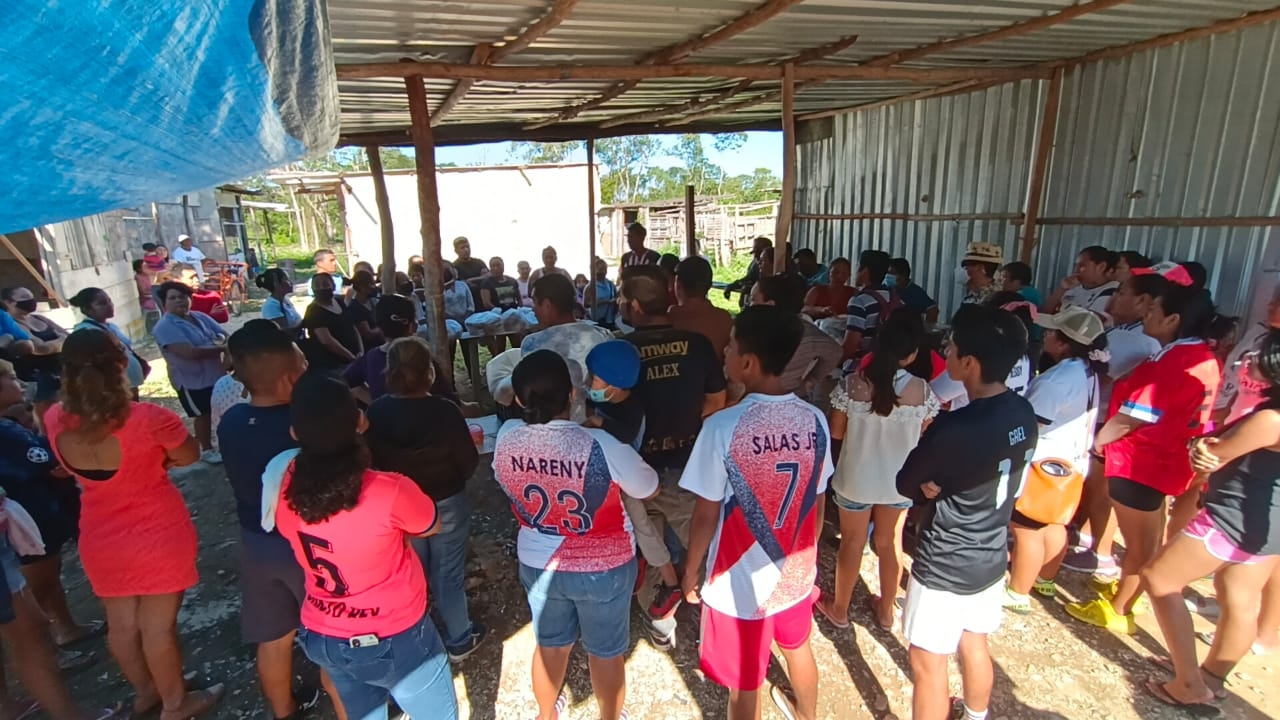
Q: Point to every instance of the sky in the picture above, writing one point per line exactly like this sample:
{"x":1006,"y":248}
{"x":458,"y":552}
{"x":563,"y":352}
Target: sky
{"x":762,"y":150}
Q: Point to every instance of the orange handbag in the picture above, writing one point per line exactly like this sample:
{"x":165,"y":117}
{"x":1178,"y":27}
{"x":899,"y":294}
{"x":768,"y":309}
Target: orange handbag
{"x":1052,"y":491}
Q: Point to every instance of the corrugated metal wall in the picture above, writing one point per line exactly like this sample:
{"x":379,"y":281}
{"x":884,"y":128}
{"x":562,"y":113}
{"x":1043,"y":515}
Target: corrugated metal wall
{"x":1191,"y":130}
{"x":960,"y":155}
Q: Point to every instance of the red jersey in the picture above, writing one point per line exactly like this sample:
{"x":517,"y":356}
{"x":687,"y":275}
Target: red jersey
{"x":210,"y":303}
{"x":1173,"y":395}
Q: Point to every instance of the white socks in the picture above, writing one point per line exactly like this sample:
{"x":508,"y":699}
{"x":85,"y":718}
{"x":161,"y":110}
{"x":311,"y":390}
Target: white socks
{"x":974,"y":714}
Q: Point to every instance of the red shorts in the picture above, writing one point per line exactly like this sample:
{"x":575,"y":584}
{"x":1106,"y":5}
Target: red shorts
{"x":735,"y":652}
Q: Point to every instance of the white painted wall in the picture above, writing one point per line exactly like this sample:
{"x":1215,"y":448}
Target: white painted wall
{"x":511,"y":212}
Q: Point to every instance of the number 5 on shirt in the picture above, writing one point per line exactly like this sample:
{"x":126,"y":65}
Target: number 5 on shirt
{"x":323,"y":567}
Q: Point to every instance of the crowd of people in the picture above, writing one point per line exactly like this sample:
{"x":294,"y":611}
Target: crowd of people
{"x":645,"y":427}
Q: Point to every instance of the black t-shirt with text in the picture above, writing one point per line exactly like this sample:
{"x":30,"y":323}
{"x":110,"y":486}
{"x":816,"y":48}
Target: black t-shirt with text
{"x":678,"y":368}
{"x":504,"y":293}
{"x":623,"y":420}
{"x":978,"y":455}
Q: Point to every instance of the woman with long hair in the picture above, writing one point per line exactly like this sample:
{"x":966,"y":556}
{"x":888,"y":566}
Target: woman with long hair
{"x":277,"y":308}
{"x":577,"y":556}
{"x":878,"y":413}
{"x":96,"y":306}
{"x":1065,"y":398}
{"x":137,"y":541}
{"x":1235,"y":537}
{"x":415,"y":433}
{"x":365,"y":618}
{"x":1154,"y":411}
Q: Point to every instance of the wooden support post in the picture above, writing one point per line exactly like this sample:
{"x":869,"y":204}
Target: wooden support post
{"x":24,"y":262}
{"x":384,"y":220}
{"x":424,"y":145}
{"x":690,"y":221}
{"x":591,"y":224}
{"x":787,"y":203}
{"x":342,"y":218}
{"x":1044,"y":148}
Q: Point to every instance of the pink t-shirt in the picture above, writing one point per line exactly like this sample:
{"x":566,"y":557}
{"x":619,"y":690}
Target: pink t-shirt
{"x":365,"y":579}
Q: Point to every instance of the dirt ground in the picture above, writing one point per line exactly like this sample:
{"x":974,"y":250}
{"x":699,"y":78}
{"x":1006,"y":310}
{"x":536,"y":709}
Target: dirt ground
{"x":1047,"y":665}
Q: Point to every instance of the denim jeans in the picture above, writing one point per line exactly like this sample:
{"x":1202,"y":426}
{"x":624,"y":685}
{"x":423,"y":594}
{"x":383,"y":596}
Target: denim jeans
{"x":411,"y":667}
{"x":444,"y":557}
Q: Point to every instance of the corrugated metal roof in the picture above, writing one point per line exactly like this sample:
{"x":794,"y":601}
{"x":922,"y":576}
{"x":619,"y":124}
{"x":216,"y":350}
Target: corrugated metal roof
{"x":625,"y":31}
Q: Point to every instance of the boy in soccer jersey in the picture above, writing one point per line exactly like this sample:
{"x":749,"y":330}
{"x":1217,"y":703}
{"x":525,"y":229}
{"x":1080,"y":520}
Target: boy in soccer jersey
{"x":759,"y":470}
{"x":967,"y":471}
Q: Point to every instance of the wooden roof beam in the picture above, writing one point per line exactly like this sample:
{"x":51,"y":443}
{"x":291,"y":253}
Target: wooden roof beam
{"x":1111,"y":53}
{"x":1027,"y":26}
{"x":674,"y":53}
{"x":804,"y":56}
{"x":550,"y":73}
{"x":487,"y":54}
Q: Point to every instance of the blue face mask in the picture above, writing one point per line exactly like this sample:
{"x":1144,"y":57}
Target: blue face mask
{"x":598,"y":396}
{"x":891,"y":281}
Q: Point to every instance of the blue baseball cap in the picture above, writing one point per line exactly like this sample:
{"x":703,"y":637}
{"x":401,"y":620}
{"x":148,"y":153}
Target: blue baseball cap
{"x":616,"y":362}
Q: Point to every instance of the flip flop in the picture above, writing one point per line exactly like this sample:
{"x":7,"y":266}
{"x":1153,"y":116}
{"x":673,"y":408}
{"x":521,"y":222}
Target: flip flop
{"x":782,"y":700}
{"x":188,"y":679}
{"x":822,"y":609}
{"x":1203,"y":710}
{"x":205,"y":700}
{"x":95,"y":629}
{"x":1166,"y":664}
{"x":73,"y":660}
{"x":873,"y":605}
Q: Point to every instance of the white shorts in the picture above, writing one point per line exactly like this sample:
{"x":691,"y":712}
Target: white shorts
{"x":934,"y":620}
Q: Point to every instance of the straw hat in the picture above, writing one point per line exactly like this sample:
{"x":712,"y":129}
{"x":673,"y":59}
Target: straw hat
{"x":983,"y":252}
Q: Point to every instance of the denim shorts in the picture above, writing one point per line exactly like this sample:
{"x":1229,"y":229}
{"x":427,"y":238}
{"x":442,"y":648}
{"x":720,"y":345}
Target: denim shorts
{"x":595,"y":604}
{"x":846,"y":504}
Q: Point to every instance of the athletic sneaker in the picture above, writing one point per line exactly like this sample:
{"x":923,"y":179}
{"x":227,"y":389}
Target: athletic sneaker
{"x":212,"y":457}
{"x":1087,"y":561}
{"x":1016,"y":602}
{"x":665,"y":602}
{"x":661,"y":641}
{"x":1046,"y":588}
{"x":1108,"y":588}
{"x":1099,"y":613}
{"x":461,"y":652}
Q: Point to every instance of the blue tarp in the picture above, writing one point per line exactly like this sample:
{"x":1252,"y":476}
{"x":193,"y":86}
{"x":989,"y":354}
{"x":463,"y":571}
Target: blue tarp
{"x":119,"y":103}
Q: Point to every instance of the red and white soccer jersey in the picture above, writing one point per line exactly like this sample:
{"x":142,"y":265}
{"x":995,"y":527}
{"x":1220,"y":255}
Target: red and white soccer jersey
{"x":767,"y":461}
{"x":1173,"y":395}
{"x":565,"y":483}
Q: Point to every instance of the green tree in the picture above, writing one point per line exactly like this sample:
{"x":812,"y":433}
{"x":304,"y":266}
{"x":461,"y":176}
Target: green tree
{"x":396,"y":159}
{"x":627,"y":160}
{"x":539,"y":153}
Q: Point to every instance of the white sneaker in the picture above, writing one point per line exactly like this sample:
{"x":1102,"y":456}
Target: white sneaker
{"x":212,"y":457}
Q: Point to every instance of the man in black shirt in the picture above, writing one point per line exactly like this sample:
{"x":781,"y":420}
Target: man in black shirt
{"x":272,"y":584}
{"x":497,"y":292}
{"x":681,"y":382}
{"x":467,"y":267}
{"x":968,"y":470}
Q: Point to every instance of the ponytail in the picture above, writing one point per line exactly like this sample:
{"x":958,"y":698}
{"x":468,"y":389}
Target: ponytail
{"x":94,"y":386}
{"x":898,"y":338}
{"x":542,"y":385}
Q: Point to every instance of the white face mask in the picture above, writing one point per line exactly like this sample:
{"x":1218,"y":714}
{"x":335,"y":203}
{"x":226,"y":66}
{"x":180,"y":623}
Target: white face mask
{"x":962,"y":276}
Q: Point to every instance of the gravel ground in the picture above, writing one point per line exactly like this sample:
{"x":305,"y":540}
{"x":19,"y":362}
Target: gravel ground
{"x":1047,"y":666}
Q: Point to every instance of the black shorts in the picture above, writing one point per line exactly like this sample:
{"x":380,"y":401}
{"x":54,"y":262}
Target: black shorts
{"x":195,"y":402}
{"x":1134,"y":495}
{"x":272,"y":588}
{"x":1026,"y":522}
